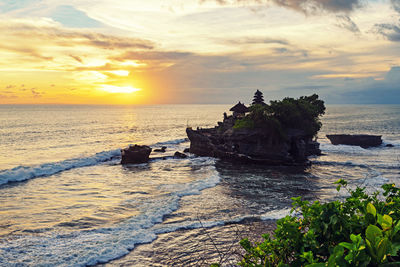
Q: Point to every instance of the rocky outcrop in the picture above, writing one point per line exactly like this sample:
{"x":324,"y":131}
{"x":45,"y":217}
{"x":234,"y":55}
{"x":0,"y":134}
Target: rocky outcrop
{"x":180,"y":155}
{"x":135,"y":154}
{"x":162,"y":149}
{"x":362,"y":140}
{"x":253,"y":145}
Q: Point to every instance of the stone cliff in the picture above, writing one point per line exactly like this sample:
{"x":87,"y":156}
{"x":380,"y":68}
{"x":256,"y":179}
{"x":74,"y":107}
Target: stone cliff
{"x":253,"y":145}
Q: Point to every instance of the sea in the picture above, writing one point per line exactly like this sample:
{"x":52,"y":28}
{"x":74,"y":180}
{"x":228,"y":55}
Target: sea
{"x":65,"y":199}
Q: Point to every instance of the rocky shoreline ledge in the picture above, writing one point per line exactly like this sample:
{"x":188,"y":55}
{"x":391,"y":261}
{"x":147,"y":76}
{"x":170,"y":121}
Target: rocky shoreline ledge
{"x":253,"y":146}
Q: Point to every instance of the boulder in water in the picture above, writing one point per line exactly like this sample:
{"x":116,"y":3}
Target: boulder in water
{"x":362,"y":140}
{"x":162,"y":149}
{"x":135,"y":154}
{"x":180,"y":155}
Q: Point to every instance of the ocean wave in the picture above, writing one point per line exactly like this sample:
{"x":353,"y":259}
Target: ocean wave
{"x":343,"y":149}
{"x":90,"y":247}
{"x":356,"y":164}
{"x":339,"y":163}
{"x":171,"y":142}
{"x":22,"y":173}
{"x":372,"y":181}
{"x":395,"y":143}
{"x":347,"y":149}
{"x":187,"y":225}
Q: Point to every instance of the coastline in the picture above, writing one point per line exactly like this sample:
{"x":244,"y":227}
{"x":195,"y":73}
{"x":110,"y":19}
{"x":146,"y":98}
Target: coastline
{"x":196,"y":247}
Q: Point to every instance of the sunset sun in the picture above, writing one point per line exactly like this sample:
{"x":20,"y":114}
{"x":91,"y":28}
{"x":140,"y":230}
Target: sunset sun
{"x":119,"y":89}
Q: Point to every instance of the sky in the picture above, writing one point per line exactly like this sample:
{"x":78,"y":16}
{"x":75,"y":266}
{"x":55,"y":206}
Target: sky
{"x":198,"y":51}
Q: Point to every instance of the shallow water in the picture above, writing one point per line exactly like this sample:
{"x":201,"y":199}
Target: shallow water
{"x":66,"y":200}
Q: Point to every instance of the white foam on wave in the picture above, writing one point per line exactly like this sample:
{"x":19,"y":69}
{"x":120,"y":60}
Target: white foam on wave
{"x":395,"y":143}
{"x":350,"y":163}
{"x":90,"y":247}
{"x":196,"y":224}
{"x":22,"y":173}
{"x":372,"y":180}
{"x":343,"y":149}
{"x":339,"y":163}
{"x":172,"y":142}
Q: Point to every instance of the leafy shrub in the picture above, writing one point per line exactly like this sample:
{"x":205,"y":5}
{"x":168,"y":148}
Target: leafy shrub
{"x":244,"y":123}
{"x":363,"y":230}
{"x":302,"y":113}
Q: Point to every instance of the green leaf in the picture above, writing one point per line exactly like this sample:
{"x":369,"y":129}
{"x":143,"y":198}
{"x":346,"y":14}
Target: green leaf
{"x":387,"y":222}
{"x":395,"y":249}
{"x":346,"y":245}
{"x":370,"y":249}
{"x":396,"y":227}
{"x":336,"y":257}
{"x":372,"y":233}
{"x":355,"y":238}
{"x":379,"y":219}
{"x":371,"y":209}
{"x":341,"y":182}
{"x":382,"y":250}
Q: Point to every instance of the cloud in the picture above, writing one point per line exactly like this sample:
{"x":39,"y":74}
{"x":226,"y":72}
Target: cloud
{"x":389,"y":31}
{"x":51,"y":31}
{"x":77,"y":58}
{"x":370,"y":91}
{"x":152,"y":55}
{"x":54,"y":47}
{"x":35,"y":93}
{"x":24,"y":50}
{"x":396,"y":5}
{"x":345,"y":22}
{"x":304,"y":6}
{"x":256,"y":40}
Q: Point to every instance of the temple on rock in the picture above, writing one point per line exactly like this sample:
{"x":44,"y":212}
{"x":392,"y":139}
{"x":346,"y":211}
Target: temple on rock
{"x":239,"y":110}
{"x":268,"y":134}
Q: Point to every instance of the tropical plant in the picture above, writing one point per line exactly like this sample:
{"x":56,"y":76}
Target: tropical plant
{"x":362,"y":230}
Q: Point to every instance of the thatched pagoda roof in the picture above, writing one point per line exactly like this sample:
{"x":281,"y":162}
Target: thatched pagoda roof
{"x":239,"y":108}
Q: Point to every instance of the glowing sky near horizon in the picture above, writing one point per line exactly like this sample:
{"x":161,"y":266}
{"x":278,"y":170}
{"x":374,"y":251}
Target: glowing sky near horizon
{"x":197,"y":51}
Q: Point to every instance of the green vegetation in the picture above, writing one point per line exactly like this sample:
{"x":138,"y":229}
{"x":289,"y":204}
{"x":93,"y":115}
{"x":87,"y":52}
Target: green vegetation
{"x":302,"y":113}
{"x":363,"y":230}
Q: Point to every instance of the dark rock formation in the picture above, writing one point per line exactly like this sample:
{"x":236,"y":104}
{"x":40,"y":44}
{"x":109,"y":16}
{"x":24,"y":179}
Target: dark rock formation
{"x":135,"y":154}
{"x":253,"y":145}
{"x":389,"y":145}
{"x":162,"y":149}
{"x":277,"y":134}
{"x":179,"y":155}
{"x":362,"y":140}
{"x":187,"y":150}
